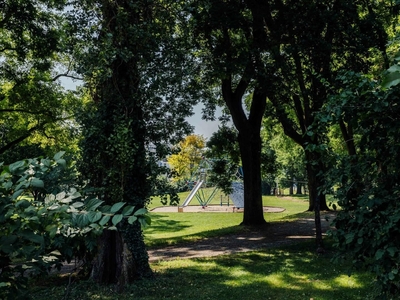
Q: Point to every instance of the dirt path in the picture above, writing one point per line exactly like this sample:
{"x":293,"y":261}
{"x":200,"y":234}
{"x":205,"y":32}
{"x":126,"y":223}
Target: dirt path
{"x":271,"y":235}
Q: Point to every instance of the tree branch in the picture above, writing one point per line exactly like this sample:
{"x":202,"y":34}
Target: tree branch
{"x":19,"y":140}
{"x":66,"y":75}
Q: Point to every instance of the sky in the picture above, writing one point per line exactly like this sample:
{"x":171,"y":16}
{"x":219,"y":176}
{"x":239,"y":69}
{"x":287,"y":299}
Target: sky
{"x":201,"y":127}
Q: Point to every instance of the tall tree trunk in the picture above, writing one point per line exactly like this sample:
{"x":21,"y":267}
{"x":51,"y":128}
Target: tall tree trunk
{"x":249,"y":139}
{"x":113,"y":263}
{"x":250,"y":149}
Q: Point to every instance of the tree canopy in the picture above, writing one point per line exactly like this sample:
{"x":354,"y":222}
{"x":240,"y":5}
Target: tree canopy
{"x":34,"y":106}
{"x":188,"y":157}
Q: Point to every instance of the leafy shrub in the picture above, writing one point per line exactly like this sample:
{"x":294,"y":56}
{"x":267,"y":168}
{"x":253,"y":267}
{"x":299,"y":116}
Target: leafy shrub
{"x":368,"y":225}
{"x":39,"y":232}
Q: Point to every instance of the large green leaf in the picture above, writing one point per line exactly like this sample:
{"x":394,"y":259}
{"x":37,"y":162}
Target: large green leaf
{"x":23,"y":203}
{"x":35,"y":238}
{"x":140,"y":211}
{"x":36,"y":182}
{"x":94,"y":216}
{"x":128,"y":210}
{"x":116,"y":219}
{"x":16,"y":166}
{"x":391,"y":79}
{"x":61,"y":162}
{"x":52,"y":230}
{"x":78,"y":204}
{"x":58,"y":155}
{"x":93,"y":204}
{"x":104,"y":220}
{"x":17,"y":194}
{"x":132,"y":219}
{"x":116,"y":207}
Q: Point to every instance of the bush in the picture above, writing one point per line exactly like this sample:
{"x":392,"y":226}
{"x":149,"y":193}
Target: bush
{"x":39,"y":232}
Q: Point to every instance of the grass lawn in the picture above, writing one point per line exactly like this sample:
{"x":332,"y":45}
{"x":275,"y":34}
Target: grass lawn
{"x":290,"y":273}
{"x":173,"y":228}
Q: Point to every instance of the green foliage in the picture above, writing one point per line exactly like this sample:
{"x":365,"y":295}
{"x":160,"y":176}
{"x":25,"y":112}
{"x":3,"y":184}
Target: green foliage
{"x":186,"y":161}
{"x":368,"y":222}
{"x":34,"y":107}
{"x":37,"y":233}
{"x":223,"y":149}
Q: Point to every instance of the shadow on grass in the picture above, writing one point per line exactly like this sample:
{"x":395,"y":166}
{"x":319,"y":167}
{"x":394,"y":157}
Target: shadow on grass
{"x":164,"y":223}
{"x":290,"y":273}
{"x":190,"y":238}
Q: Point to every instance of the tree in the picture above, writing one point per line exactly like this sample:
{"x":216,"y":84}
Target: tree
{"x":289,"y":157}
{"x":34,"y":108}
{"x":223,"y":151}
{"x":284,"y":52}
{"x":225,"y":48}
{"x":136,"y":70}
{"x":187,"y":160}
{"x":368,"y":183}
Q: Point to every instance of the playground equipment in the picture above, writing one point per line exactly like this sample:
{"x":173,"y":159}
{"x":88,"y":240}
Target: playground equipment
{"x":204,"y":198}
{"x":201,"y":181}
{"x":192,"y":193}
{"x":237,"y":194}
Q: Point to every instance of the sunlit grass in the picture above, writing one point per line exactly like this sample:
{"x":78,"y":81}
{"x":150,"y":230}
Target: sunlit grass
{"x":173,"y":228}
{"x":292,"y":273}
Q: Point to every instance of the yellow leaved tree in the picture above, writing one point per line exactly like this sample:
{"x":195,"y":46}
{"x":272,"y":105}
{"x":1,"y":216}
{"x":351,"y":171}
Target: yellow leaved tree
{"x":186,"y":161}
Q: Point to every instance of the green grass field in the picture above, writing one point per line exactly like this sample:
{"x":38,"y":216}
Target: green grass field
{"x":173,"y":228}
{"x":289,"y":273}
{"x":292,"y":273}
